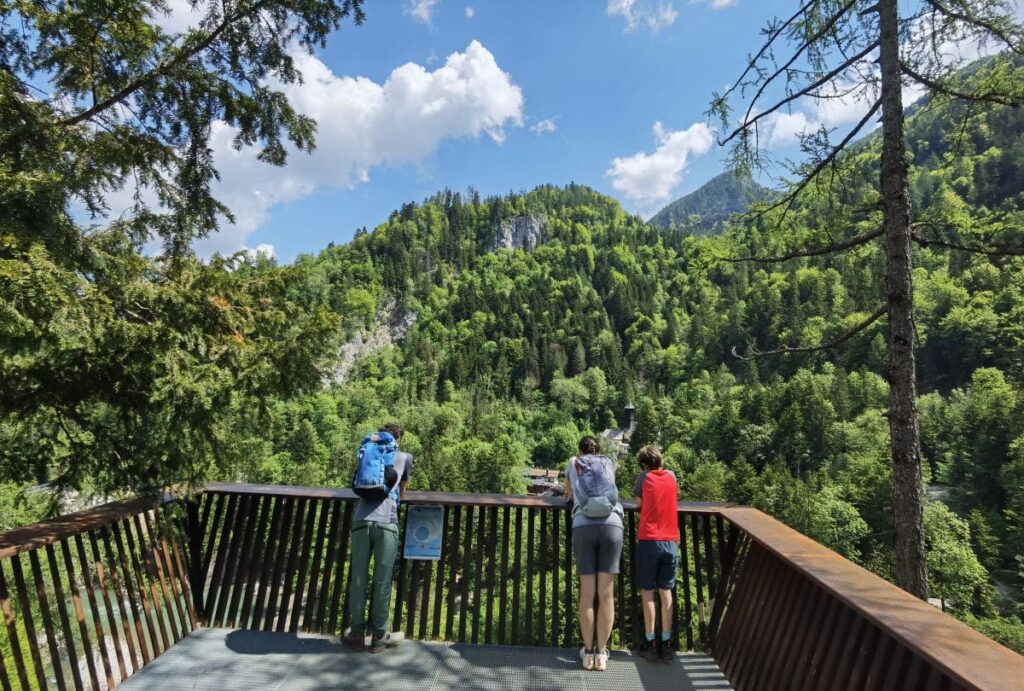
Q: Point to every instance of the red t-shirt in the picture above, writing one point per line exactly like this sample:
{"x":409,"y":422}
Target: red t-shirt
{"x":659,"y":517}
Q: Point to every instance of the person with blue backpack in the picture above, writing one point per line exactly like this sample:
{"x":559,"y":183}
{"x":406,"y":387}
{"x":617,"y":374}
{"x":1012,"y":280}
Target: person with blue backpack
{"x":382,"y":472}
{"x":596,"y":545}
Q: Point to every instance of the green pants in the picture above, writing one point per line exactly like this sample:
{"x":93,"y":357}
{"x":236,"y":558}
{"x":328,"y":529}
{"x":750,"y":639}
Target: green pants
{"x":380,"y":539}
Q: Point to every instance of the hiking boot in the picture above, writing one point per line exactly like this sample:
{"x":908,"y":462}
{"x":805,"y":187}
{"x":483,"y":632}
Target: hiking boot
{"x":666,"y":652}
{"x":388,"y":640}
{"x":355,"y":641}
{"x":648,"y":651}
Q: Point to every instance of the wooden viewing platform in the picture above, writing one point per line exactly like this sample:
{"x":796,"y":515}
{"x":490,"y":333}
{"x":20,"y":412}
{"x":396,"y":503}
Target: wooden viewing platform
{"x":175,"y":593}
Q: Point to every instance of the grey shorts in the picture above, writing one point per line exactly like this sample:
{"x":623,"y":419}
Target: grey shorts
{"x":597,"y":549}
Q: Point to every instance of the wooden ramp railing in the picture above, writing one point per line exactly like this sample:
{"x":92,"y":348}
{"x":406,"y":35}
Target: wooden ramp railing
{"x":90,"y":598}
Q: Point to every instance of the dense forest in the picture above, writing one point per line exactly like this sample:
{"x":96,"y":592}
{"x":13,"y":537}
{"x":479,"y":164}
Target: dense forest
{"x":126,"y":373}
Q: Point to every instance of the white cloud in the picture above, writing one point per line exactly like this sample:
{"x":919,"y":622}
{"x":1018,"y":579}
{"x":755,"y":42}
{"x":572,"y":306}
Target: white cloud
{"x":362,"y":125}
{"x":470,"y":12}
{"x":181,"y":16}
{"x":544,"y":126}
{"x":650,"y":178}
{"x":637,"y":12}
{"x":261,"y":250}
{"x":715,"y":4}
{"x":422,"y":10}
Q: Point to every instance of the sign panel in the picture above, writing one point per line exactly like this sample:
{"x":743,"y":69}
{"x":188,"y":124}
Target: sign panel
{"x":424,"y":526}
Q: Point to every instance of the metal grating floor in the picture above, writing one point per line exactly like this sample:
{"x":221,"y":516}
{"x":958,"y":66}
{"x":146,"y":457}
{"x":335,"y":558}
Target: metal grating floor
{"x":225,"y":660}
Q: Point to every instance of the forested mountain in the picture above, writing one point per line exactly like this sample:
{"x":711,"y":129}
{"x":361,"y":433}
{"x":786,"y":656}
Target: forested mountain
{"x":706,"y":210}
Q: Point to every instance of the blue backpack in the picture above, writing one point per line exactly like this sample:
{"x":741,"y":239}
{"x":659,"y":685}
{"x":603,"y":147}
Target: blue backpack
{"x":376,"y":478}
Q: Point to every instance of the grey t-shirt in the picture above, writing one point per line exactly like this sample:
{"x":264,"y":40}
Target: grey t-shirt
{"x":612,"y":519}
{"x":385,"y":510}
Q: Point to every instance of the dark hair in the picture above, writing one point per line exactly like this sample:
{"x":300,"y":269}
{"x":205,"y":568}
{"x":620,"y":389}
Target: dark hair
{"x":394,"y":428}
{"x":589,"y":444}
{"x":649,"y":458}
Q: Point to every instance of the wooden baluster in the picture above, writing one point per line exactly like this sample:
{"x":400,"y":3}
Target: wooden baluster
{"x":296,"y":549}
{"x":401,"y":566}
{"x":246,"y":560}
{"x":464,"y":582}
{"x":503,"y":588}
{"x":300,"y":578}
{"x":492,"y":544}
{"x":516,"y":640}
{"x":101,"y":579}
{"x":122,"y":580}
{"x":150,"y":610}
{"x":219,"y":542}
{"x":267,"y":551}
{"x":556,"y":623}
{"x":281,"y":554}
{"x":478,"y":573}
{"x":542,"y":614}
{"x":65,"y":620}
{"x":684,"y":566}
{"x":12,"y":630}
{"x":424,"y":613}
{"x":636,"y":621}
{"x":344,"y":575}
{"x":529,"y":638}
{"x":94,"y":611}
{"x":446,"y":546}
{"x":330,"y":561}
{"x":156,"y":579}
{"x":44,"y":612}
{"x":569,"y":616}
{"x":310,"y":623}
{"x":453,"y":568}
{"x":228,"y":570}
{"x":698,"y":571}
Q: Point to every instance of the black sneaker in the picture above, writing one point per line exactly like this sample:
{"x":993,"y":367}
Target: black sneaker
{"x":666,"y":652}
{"x":356,"y":642}
{"x":388,"y":640}
{"x":648,"y":651}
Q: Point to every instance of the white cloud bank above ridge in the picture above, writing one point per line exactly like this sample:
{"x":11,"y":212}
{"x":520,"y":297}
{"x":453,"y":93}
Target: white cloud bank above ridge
{"x":647,"y":179}
{"x":655,"y":16}
{"x":362,"y":125}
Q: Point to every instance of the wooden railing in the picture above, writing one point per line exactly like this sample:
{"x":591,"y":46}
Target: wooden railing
{"x":505,"y":575}
{"x":90,"y":598}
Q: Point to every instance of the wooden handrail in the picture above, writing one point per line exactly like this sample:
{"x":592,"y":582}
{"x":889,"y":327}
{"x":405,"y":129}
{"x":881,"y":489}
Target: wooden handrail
{"x":449,"y":498}
{"x":967,"y":656}
{"x":38,"y":535}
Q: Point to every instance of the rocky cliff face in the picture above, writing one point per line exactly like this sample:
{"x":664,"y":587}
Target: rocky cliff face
{"x":390,"y":326}
{"x":519,"y":233}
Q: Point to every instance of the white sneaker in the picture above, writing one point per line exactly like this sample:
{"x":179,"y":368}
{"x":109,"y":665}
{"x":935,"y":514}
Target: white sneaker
{"x":588,"y":659}
{"x":601,"y":660}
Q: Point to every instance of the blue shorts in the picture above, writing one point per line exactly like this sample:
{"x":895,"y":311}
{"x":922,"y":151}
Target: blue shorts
{"x":656,"y":564}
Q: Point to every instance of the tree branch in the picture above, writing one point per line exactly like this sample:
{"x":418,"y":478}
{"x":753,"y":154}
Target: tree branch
{"x":788,"y":200}
{"x":984,"y":97}
{"x":752,"y":63}
{"x":838,"y":341}
{"x":827,"y":27}
{"x":980,"y":23}
{"x":812,"y":251}
{"x":991,"y":251}
{"x":184,"y":54}
{"x":832,"y":74}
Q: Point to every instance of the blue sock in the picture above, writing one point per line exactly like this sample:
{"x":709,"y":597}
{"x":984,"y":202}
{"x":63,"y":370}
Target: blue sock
{"x":665,"y":635}
{"x":649,"y":636}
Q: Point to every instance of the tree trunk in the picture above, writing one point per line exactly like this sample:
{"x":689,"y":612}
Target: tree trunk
{"x":908,"y":506}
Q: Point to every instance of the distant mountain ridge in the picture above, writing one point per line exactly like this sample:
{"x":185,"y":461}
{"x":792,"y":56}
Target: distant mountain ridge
{"x":706,"y":210}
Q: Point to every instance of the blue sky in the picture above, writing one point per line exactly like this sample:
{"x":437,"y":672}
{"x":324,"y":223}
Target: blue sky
{"x":499,"y":96}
